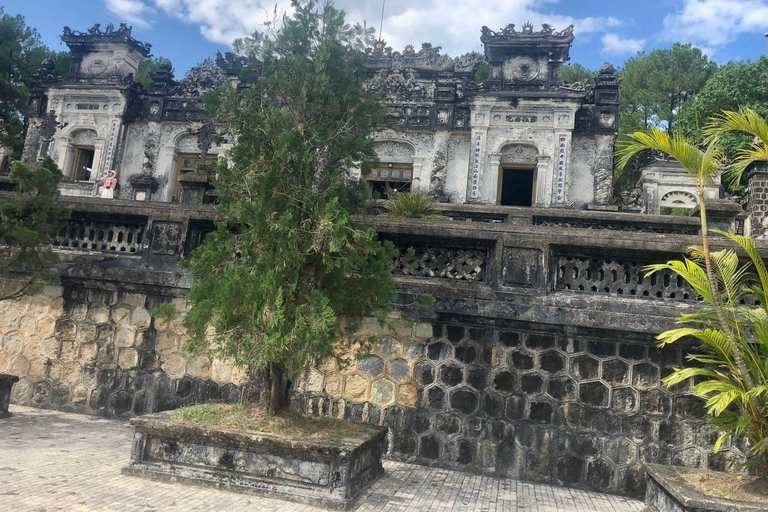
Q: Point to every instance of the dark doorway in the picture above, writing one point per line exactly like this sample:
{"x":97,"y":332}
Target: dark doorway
{"x":516,"y":187}
{"x":84,"y":164}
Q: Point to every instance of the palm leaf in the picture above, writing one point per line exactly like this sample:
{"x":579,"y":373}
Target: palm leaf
{"x":747,"y":121}
{"x":750,"y":248}
{"x":689,"y":270}
{"x":702,"y":166}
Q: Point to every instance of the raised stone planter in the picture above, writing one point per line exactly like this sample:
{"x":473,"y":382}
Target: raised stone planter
{"x":6,"y":383}
{"x":666,"y":491}
{"x":330,"y":474}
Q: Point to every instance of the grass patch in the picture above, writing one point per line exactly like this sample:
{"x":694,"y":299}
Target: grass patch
{"x":254,"y":418}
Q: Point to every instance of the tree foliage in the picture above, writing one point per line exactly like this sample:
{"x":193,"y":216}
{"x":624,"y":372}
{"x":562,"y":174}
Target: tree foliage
{"x":28,"y":219}
{"x":144,"y":72}
{"x":656,"y":86}
{"x":735,"y":86}
{"x":731,"y":366}
{"x":286,"y":264}
{"x":574,"y":73}
{"x":21,"y":53}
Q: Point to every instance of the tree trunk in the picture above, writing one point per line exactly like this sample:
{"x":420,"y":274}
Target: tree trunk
{"x":737,"y":358}
{"x":275,"y":390}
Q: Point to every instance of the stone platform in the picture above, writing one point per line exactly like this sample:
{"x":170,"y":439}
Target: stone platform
{"x":331,"y":473}
{"x":54,"y":461}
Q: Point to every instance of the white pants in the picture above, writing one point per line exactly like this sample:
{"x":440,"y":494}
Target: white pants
{"x":107,"y":193}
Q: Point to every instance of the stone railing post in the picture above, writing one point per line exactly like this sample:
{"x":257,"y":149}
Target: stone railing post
{"x":721,"y":214}
{"x":758,"y":200}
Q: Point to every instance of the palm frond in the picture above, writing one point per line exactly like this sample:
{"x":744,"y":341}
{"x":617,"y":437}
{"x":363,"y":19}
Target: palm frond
{"x":689,"y":270}
{"x":728,"y":274}
{"x":746,"y":121}
{"x":750,"y":248}
{"x":702,"y":166}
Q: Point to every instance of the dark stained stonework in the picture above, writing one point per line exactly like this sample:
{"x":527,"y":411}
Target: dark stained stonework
{"x":6,"y":384}
{"x":330,"y":474}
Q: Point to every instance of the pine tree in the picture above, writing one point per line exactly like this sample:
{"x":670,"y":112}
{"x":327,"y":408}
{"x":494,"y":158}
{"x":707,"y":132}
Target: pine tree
{"x":29,"y":217}
{"x":286,"y":265}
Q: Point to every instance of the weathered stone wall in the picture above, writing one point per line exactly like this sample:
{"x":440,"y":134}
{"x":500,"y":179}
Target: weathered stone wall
{"x":101,"y":352}
{"x":572,"y":407}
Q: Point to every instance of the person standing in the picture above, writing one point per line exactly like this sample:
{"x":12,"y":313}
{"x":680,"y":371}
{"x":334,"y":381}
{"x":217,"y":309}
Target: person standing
{"x":109,"y":182}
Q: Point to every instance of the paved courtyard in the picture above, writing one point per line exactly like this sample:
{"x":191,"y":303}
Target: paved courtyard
{"x":58,"y":461}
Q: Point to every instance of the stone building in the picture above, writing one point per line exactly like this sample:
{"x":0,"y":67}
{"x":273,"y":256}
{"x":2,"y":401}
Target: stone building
{"x":520,"y":137}
{"x":97,"y":118}
{"x":667,"y":186}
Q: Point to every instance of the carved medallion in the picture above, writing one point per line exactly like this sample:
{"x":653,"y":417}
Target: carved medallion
{"x":96,"y":64}
{"x":525,"y":69}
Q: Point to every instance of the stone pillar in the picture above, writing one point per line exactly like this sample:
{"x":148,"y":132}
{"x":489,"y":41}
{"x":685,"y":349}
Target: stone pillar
{"x":721,"y":213}
{"x":543,"y":163}
{"x":758,"y":200}
{"x":66,"y":156}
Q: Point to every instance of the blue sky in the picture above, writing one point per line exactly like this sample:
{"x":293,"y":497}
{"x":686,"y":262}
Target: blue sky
{"x":187,"y":31}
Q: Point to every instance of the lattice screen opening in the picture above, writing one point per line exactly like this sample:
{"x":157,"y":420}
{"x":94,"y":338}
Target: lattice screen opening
{"x":104,"y":236}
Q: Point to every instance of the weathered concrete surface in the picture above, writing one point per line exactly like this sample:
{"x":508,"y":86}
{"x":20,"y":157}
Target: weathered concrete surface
{"x":53,"y":461}
{"x":332,"y":473}
{"x":665,"y":493}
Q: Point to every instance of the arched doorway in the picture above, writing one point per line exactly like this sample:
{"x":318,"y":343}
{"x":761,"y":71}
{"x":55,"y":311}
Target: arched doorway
{"x":83,"y":155}
{"x":517,"y":175}
{"x":395,"y":169}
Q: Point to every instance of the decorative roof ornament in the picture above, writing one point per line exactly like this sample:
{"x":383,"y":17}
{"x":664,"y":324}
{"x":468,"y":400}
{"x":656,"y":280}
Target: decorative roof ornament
{"x":200,"y":78}
{"x":428,"y":59}
{"x":46,"y":73}
{"x":607,"y":76}
{"x":607,"y":69}
{"x":509,"y":32}
{"x":110,"y":34}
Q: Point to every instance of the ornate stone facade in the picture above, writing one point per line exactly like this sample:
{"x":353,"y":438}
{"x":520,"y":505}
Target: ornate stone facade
{"x":98,"y":118}
{"x":565,"y":134}
{"x":446,"y":133}
{"x":665,"y":184}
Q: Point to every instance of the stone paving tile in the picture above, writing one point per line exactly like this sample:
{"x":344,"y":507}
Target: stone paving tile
{"x":53,"y":461}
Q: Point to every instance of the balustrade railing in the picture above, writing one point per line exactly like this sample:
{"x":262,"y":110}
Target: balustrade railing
{"x":618,"y":276}
{"x":98,"y":235}
{"x":441,"y":262}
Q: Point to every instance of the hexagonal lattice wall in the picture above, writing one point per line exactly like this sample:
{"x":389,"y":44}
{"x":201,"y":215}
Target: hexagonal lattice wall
{"x":514,"y":401}
{"x":519,"y":402}
{"x":99,"y":351}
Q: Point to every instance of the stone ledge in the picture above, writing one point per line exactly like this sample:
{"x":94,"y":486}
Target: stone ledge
{"x":329,"y":473}
{"x":666,"y":494}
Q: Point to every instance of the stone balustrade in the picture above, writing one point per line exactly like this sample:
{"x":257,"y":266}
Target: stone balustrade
{"x":490,"y":261}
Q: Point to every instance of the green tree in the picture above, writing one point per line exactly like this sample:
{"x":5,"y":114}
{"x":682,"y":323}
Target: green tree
{"x":29,"y":217}
{"x":573,"y":73}
{"x":656,"y":86}
{"x":735,"y":86}
{"x":286,"y":264}
{"x":145,"y":70}
{"x":749,"y":123}
{"x":21,"y":53}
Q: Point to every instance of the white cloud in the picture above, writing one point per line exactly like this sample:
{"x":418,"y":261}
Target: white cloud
{"x":616,"y":45}
{"x":132,"y":11}
{"x":453,"y":24}
{"x":714,"y":23}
